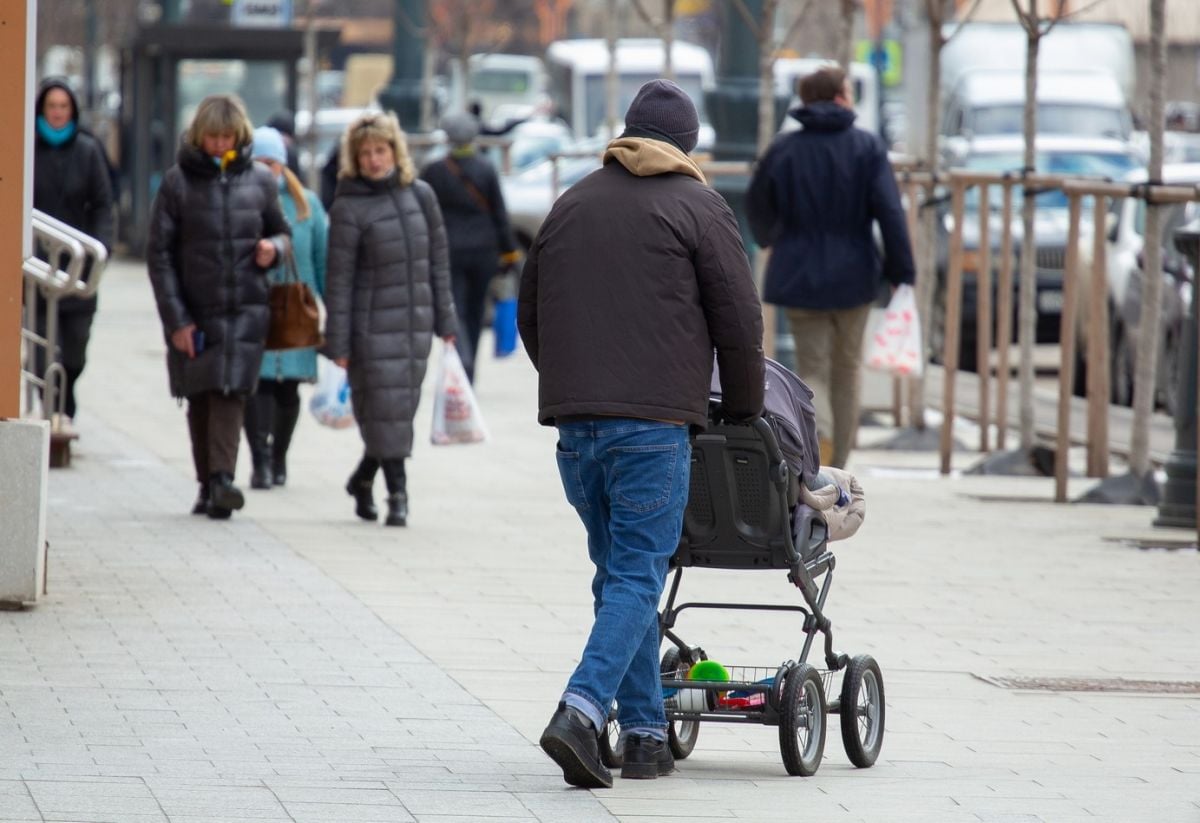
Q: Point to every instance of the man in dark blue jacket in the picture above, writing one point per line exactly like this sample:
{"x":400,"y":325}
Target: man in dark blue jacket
{"x":812,"y":201}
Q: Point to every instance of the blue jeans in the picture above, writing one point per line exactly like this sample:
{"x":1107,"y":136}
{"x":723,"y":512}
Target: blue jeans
{"x":628,"y":480}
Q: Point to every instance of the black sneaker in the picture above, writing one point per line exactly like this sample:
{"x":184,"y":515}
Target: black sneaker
{"x":646,"y":758}
{"x":572,"y":743}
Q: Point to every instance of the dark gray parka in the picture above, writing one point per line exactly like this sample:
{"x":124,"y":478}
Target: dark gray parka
{"x":204,"y":226}
{"x":387,"y":293}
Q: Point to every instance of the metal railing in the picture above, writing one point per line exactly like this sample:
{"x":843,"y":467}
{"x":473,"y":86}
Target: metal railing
{"x":78,"y":262}
{"x":1095,"y":319}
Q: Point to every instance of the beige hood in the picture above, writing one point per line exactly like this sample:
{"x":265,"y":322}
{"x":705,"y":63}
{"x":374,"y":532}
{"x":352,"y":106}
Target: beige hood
{"x":646,"y":157}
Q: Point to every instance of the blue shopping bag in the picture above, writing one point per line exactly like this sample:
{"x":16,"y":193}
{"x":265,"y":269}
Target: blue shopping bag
{"x":504,"y":326}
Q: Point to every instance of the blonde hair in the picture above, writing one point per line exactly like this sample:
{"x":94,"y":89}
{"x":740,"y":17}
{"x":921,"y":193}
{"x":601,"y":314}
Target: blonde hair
{"x":220,"y":114}
{"x":296,"y":190}
{"x":385,"y":128}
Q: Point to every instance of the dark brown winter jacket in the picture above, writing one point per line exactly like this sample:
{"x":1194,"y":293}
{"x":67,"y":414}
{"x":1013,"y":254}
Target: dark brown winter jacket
{"x":636,"y":276}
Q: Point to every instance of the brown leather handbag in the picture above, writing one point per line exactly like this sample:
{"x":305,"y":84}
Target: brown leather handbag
{"x":295,"y":317}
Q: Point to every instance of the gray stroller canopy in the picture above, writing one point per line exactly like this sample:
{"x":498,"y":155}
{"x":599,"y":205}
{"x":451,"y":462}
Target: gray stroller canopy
{"x":788,"y":408}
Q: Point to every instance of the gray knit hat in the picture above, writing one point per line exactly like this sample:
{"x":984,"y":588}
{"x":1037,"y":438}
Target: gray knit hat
{"x":461,"y":128}
{"x":662,"y":109}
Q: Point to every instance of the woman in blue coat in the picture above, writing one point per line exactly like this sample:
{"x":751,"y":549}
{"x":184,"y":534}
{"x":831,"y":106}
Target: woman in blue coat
{"x":274,"y":408}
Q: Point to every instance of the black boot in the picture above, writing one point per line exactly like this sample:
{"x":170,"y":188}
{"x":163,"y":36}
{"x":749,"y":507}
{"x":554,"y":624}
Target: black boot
{"x":281,"y":439}
{"x":397,"y":481}
{"x":224,"y":498}
{"x":201,"y":504}
{"x":260,"y":409}
{"x":360,"y":487}
{"x":397,"y":514}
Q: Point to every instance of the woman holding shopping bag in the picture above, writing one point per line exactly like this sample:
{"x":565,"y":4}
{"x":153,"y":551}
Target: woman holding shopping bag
{"x":388,"y":293}
{"x":216,"y":228}
{"x":272,"y":411}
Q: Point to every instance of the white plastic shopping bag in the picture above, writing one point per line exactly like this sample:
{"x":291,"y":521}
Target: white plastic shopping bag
{"x":456,"y":414}
{"x":330,"y":402}
{"x":894,"y":340}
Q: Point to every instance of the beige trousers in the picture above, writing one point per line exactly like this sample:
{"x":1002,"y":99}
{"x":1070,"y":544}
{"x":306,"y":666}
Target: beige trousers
{"x":828,"y":355}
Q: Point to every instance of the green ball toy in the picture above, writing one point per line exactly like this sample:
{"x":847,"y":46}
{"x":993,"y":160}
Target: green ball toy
{"x":709,"y":670}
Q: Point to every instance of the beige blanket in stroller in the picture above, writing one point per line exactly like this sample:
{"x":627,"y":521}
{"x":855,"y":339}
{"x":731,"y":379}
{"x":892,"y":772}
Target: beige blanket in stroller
{"x":840,"y":500}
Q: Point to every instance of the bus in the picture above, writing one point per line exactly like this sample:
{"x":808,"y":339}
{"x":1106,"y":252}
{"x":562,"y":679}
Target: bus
{"x":578,"y":71}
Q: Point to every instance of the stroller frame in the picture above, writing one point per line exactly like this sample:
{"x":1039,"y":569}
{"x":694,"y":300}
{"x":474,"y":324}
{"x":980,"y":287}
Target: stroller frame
{"x":740,"y":516}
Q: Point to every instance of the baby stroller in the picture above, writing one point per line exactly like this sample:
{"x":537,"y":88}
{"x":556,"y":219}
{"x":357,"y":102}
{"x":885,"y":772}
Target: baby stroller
{"x":743,"y":513}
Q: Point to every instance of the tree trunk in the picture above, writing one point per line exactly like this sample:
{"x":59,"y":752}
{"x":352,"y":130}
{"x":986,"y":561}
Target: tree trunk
{"x":927,"y":248}
{"x":1144,"y":386}
{"x":1027,"y":305}
{"x":766,"y":77}
{"x":845,"y":47}
{"x":610,"y":84}
{"x":668,"y":38}
{"x":427,"y":68}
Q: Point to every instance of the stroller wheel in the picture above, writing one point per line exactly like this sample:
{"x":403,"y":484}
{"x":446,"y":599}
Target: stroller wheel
{"x":681,"y":734}
{"x":802,"y":721}
{"x":862,"y":710}
{"x":610,"y":752}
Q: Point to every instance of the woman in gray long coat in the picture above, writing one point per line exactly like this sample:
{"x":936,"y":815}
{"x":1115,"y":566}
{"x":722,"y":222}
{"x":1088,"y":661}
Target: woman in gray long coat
{"x":387,"y":294}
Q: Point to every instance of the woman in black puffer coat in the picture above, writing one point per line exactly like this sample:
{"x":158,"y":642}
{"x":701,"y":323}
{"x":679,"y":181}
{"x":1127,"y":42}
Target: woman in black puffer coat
{"x":70,"y":182}
{"x":216,"y":228}
{"x":387,"y":292}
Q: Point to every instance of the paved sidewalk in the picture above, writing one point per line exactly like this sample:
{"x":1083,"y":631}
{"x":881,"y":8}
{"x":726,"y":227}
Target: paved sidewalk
{"x":296,"y":664}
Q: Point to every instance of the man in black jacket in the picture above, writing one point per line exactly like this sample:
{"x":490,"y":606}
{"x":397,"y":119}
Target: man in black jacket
{"x":636,"y":276}
{"x":70,"y":182}
{"x":813,"y":199}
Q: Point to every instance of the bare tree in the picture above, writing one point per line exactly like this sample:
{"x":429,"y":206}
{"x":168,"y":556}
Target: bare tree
{"x":1036,"y":27}
{"x":664,"y":29}
{"x":611,"y":81}
{"x":768,"y":49}
{"x":936,"y":14}
{"x":1147,"y":351}
{"x":845,"y":44}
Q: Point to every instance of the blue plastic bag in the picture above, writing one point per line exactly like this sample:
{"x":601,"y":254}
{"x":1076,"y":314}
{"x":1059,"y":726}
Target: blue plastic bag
{"x":504,"y":326}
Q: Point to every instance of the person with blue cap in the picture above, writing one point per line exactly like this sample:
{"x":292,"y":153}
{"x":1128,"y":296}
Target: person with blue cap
{"x":274,"y":409}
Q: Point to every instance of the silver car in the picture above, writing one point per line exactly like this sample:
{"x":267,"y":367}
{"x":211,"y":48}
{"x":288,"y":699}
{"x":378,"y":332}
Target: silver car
{"x":529,"y":195}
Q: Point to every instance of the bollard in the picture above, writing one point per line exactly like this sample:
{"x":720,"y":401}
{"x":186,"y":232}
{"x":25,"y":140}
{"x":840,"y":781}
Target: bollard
{"x":1179,"y":504}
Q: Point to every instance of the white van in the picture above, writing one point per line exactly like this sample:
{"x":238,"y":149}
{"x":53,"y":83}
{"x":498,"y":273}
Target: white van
{"x":578,"y":72}
{"x":864,"y":82}
{"x":988,"y":102}
{"x":508,"y":87}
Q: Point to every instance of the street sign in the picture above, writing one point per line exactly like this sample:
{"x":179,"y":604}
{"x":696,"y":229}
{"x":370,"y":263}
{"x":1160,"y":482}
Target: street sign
{"x":885,"y":56}
{"x":261,"y":13}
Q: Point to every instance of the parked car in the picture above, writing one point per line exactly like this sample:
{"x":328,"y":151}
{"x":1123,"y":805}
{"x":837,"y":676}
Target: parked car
{"x":530,"y":194}
{"x":531,"y":142}
{"x":1124,"y":259}
{"x":1181,"y":147}
{"x":992,"y":102}
{"x":1076,"y":156}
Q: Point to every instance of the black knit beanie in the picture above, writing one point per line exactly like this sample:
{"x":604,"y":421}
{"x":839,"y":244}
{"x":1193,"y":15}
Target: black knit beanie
{"x":664,"y":111}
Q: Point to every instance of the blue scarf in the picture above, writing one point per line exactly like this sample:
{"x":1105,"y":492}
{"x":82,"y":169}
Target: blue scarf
{"x":53,"y":136}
